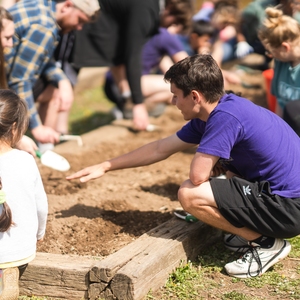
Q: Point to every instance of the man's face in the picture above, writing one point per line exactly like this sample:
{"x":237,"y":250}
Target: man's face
{"x":186,"y":105}
{"x":73,"y":19}
{"x":7,"y":33}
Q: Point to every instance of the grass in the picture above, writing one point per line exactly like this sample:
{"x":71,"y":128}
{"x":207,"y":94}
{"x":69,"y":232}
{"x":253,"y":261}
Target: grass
{"x":193,"y":279}
{"x":89,"y":111}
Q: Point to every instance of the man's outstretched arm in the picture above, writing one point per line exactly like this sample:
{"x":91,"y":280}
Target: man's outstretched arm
{"x":143,"y":156}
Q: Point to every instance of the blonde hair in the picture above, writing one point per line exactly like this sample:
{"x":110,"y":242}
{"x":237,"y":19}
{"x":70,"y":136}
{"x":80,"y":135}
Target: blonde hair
{"x":278,"y":28}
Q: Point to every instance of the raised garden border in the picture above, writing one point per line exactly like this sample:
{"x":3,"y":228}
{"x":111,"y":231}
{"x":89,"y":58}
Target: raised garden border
{"x":128,"y":274}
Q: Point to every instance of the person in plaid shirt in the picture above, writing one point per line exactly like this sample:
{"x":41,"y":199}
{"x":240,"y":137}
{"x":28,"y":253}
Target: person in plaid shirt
{"x":37,"y":27}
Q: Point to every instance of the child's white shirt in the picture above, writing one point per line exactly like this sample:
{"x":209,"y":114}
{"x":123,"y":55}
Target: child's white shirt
{"x":26,"y":197}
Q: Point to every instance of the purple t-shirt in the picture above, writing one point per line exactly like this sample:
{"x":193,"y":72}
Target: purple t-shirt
{"x":251,"y":141}
{"x":162,"y":43}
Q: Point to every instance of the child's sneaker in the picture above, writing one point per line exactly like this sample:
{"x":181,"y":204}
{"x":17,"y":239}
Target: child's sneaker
{"x":235,"y":243}
{"x":9,"y":284}
{"x":258,"y":260}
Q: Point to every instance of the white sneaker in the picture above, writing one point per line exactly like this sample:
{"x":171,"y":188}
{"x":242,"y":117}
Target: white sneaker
{"x":117,"y":113}
{"x":257,"y":260}
{"x":235,"y":243}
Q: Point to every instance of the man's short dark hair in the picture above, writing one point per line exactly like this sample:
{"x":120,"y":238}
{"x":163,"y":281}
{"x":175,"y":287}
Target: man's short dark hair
{"x":199,"y":72}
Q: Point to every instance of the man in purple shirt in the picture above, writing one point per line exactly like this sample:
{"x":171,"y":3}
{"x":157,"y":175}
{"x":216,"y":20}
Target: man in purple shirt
{"x":259,"y":202}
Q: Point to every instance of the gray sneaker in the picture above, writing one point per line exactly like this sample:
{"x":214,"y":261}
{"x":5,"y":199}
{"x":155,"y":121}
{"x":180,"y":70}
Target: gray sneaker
{"x":236,"y":243}
{"x":258,"y":260}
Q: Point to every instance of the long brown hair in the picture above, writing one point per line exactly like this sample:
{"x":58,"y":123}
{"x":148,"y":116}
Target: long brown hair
{"x":4,"y":14}
{"x":14,"y":119}
{"x":6,"y":215}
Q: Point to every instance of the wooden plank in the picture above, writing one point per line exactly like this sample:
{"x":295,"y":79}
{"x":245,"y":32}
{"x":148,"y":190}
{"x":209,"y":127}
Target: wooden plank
{"x":58,"y":276}
{"x":147,"y":262}
{"x":126,"y":274}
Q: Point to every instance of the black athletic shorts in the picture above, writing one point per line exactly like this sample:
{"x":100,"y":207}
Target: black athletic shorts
{"x":252,"y":205}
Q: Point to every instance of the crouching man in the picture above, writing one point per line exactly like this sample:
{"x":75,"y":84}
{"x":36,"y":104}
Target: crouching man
{"x":259,"y":202}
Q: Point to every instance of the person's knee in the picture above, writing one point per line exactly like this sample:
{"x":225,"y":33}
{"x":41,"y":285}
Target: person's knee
{"x":193,"y":197}
{"x":49,"y":95}
{"x":186,"y":195}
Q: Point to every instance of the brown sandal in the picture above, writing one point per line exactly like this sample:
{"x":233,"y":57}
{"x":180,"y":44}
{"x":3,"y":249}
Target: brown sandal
{"x":9,"y":284}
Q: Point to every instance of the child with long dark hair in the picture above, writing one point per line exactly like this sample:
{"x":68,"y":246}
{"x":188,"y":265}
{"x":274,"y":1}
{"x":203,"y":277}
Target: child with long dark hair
{"x":23,"y":201}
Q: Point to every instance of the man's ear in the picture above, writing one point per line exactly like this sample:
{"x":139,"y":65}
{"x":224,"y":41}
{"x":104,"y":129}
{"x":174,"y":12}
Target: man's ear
{"x":197,"y":97}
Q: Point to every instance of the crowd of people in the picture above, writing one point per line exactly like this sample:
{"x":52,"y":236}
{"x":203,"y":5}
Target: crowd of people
{"x":159,"y":52}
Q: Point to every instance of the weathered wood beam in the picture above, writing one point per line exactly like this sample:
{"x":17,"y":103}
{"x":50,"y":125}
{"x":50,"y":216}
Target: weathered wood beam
{"x":147,"y":262}
{"x":127,"y":274}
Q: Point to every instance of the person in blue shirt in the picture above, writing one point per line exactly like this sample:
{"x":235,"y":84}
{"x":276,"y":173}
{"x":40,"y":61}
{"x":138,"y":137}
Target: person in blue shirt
{"x":259,"y":201}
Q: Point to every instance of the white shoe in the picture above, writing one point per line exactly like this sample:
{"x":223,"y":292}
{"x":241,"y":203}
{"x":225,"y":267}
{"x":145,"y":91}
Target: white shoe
{"x":235,"y":243}
{"x":258,"y":260}
{"x":117,"y":113}
{"x":54,"y":161}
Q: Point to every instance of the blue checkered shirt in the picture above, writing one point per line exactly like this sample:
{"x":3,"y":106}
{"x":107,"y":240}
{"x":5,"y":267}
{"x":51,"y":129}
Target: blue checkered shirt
{"x":35,"y":39}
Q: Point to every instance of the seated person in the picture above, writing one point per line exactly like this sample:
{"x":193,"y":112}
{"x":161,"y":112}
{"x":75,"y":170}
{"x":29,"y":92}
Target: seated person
{"x":201,"y":37}
{"x":201,"y":42}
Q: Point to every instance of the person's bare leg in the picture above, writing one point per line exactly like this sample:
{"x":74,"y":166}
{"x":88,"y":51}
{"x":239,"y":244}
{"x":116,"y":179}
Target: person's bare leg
{"x":199,"y":201}
{"x":155,"y":89}
{"x":165,"y":64}
{"x":119,"y":74}
{"x":49,"y":106}
{"x":62,"y":124}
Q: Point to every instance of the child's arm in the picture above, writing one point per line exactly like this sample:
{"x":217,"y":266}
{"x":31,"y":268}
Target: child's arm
{"x":41,"y":206}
